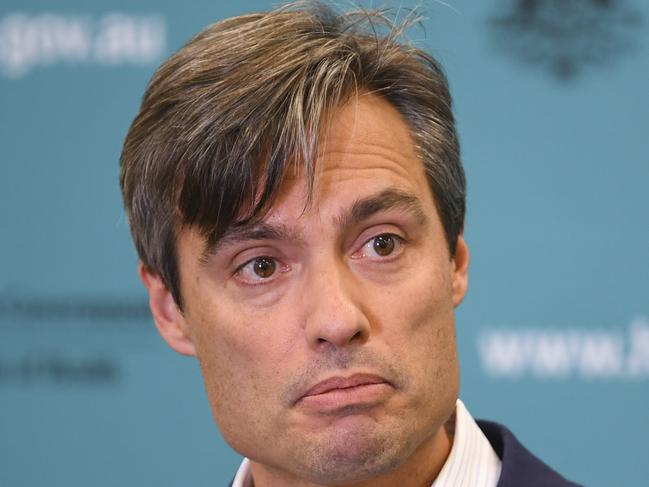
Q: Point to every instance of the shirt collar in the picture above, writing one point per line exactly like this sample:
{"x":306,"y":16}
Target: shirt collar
{"x":243,"y":478}
{"x":471,"y":463}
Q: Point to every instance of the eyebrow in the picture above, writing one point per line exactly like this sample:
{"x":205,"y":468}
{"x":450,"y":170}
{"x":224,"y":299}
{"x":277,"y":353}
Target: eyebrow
{"x":361,"y":210}
{"x":387,"y":200}
{"x":251,"y":232}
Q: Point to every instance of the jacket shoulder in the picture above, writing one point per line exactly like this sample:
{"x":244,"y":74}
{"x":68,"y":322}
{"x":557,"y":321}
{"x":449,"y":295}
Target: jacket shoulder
{"x":519,"y":465}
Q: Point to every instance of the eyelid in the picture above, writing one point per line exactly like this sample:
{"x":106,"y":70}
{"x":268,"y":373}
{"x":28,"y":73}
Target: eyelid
{"x":238,"y":273}
{"x":281,"y":268}
{"x":383,"y":226}
{"x":247,"y":254}
{"x":399,"y":240}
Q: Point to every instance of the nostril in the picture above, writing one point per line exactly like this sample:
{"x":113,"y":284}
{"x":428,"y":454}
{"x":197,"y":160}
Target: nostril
{"x":357,"y":335}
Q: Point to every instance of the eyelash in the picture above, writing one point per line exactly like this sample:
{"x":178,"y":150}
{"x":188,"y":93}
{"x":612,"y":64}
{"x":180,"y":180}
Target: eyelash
{"x":279,"y":268}
{"x":397,"y":240}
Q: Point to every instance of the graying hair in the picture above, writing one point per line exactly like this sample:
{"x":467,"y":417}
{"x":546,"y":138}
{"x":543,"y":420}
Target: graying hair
{"x":224,"y":118}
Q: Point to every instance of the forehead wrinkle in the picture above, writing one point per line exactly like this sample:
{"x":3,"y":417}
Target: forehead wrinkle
{"x":398,"y":140}
{"x":390,"y":159}
{"x":374,"y":151}
{"x":385,"y":200}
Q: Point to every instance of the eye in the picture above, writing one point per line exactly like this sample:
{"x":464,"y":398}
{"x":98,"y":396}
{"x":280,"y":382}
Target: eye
{"x":381,"y":246}
{"x":259,"y":268}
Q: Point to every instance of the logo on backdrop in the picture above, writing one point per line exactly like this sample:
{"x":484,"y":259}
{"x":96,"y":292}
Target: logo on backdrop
{"x":561,"y":354}
{"x":41,"y":310}
{"x":566,"y":36}
{"x":28,"y":361}
{"x":30,"y":41}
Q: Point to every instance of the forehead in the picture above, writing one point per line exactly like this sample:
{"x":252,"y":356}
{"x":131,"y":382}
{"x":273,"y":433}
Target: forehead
{"x":366,"y":151}
{"x":367,"y":164}
{"x":366,"y":145}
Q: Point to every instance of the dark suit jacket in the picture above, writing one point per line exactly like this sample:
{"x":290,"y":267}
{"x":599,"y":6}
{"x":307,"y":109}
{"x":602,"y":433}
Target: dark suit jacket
{"x":519,"y":467}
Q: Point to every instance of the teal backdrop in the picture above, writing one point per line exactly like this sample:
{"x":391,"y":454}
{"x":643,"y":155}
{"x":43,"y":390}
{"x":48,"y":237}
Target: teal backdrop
{"x":552,"y":102}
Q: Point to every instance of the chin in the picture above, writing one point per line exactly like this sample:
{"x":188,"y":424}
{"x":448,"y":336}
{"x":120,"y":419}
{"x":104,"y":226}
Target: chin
{"x":352,"y":456}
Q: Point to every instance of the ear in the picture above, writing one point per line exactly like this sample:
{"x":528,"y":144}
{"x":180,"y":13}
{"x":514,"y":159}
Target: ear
{"x":460,"y":271}
{"x":168,"y":318}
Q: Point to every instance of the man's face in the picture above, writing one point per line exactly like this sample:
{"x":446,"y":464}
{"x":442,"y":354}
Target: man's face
{"x":326,"y":335}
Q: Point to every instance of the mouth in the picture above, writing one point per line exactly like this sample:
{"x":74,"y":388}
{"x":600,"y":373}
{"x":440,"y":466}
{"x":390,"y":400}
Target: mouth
{"x":334,"y":393}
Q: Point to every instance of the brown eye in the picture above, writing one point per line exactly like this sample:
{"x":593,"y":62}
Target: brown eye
{"x":383,"y":245}
{"x":264,"y":266}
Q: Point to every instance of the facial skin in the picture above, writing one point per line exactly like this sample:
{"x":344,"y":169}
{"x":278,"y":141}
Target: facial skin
{"x":361,"y":287}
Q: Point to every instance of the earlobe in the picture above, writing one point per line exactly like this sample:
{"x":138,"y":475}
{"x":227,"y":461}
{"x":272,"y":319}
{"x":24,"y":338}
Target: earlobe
{"x":460,"y":271}
{"x":168,"y":318}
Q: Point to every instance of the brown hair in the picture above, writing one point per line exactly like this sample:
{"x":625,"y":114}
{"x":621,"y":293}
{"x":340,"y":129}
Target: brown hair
{"x":222,"y":119}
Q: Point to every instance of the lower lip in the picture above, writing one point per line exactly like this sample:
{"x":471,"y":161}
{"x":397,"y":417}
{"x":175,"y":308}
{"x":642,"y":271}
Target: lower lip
{"x":364,"y":395}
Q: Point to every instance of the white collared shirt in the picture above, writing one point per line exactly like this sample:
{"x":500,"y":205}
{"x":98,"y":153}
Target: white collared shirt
{"x":471,"y":463}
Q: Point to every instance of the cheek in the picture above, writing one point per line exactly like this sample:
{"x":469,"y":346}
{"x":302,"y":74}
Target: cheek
{"x":417,"y":323}
{"x":239,"y":356}
{"x":422,"y":302}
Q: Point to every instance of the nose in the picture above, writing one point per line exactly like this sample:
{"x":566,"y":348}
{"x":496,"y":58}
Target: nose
{"x":334,"y":311}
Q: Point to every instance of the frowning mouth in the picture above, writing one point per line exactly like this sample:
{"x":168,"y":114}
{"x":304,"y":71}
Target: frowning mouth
{"x":341,"y":392}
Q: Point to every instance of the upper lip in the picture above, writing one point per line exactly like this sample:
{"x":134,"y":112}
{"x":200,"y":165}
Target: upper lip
{"x":333,"y":383}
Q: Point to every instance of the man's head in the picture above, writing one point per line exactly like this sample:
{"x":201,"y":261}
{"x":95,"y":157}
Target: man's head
{"x":294,"y":190}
